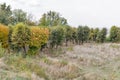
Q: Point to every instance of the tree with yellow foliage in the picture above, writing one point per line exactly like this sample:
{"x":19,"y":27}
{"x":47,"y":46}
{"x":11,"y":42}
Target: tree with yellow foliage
{"x":4,"y":31}
{"x":39,"y":37}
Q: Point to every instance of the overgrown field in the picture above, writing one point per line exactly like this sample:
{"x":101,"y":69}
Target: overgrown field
{"x":78,"y":62}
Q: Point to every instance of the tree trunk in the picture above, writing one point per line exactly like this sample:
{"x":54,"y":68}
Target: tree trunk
{"x":66,"y":43}
{"x":73,"y":41}
{"x":24,"y":53}
{"x":82,"y":42}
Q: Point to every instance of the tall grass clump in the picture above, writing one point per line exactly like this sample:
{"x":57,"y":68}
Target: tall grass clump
{"x":20,"y":64}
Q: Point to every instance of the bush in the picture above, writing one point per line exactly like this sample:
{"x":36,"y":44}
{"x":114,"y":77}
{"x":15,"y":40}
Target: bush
{"x":68,"y":34}
{"x":39,"y":37}
{"x":21,"y":36}
{"x":56,"y":36}
{"x":4,"y":31}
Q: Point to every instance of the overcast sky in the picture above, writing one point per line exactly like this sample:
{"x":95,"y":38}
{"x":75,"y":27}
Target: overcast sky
{"x":94,"y":13}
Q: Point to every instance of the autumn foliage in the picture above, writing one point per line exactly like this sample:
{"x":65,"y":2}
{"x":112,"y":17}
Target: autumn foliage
{"x":4,"y":31}
{"x":31,"y":39}
{"x":39,"y":36}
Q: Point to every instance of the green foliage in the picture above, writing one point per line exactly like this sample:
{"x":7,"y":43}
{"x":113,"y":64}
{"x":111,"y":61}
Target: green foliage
{"x":86,"y":32}
{"x":91,"y":35}
{"x":5,"y":14}
{"x":21,"y":36}
{"x":74,"y":35}
{"x":19,"y":16}
{"x":63,"y":63}
{"x":101,"y":37}
{"x":96,"y":34}
{"x":10,"y":46}
{"x":80,"y":34}
{"x":68,"y":34}
{"x":83,"y":34}
{"x":56,"y":36}
{"x":33,"y":50}
{"x":2,"y":51}
{"x":114,"y":34}
{"x":29,"y":20}
{"x":52,"y":18}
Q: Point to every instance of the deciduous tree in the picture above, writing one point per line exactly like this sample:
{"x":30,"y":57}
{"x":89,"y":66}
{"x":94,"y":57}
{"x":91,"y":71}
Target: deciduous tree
{"x":4,"y":30}
{"x":5,"y":14}
{"x":52,"y":18}
{"x":21,"y":36}
{"x":56,"y":37}
{"x":39,"y":37}
{"x":115,"y":34}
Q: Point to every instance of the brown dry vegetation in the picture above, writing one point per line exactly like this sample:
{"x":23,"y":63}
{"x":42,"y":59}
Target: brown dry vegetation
{"x":79,"y":62}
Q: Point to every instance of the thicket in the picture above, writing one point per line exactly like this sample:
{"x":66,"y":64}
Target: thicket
{"x":30,"y":40}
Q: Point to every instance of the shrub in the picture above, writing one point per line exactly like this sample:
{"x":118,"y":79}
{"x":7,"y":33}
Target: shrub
{"x":114,"y":34}
{"x":21,"y":36}
{"x":39,"y":37}
{"x":56,"y":36}
{"x":68,"y":34}
{"x":4,"y":30}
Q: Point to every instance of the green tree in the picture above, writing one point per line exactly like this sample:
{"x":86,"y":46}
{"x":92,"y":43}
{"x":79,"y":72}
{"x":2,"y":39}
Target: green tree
{"x":19,"y":16}
{"x":52,"y":18}
{"x":21,"y":36}
{"x":74,"y":35}
{"x":80,"y":34}
{"x":5,"y":14}
{"x":68,"y":34}
{"x":43,"y":20}
{"x":86,"y":32}
{"x":114,"y":34}
{"x":103,"y":33}
{"x":56,"y":37}
{"x":10,"y":46}
{"x":30,"y":21}
{"x":101,"y":37}
{"x":91,"y":35}
{"x":96,"y":33}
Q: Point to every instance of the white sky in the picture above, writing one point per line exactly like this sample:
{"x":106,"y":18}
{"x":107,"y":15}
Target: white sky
{"x":94,"y":13}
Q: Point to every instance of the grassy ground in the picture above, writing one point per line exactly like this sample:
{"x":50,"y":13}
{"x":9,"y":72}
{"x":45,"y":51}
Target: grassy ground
{"x":79,"y":62}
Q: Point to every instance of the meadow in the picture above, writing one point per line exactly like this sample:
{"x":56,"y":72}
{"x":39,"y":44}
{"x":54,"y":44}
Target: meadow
{"x":90,"y":61}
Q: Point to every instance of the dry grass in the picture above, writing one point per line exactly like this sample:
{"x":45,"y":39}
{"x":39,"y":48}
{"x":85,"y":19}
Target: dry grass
{"x":80,"y":62}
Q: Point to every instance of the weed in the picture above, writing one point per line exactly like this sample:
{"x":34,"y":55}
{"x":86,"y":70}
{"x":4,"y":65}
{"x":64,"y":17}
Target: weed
{"x":46,"y":60}
{"x":63,"y":63}
{"x":70,"y":48}
{"x":2,"y":51}
{"x":114,"y":46}
{"x":25,"y":65}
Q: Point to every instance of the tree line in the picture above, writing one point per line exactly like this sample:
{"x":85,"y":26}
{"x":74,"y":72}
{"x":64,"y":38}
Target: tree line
{"x":12,"y":17}
{"x":22,"y":37}
{"x":18,"y":33}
